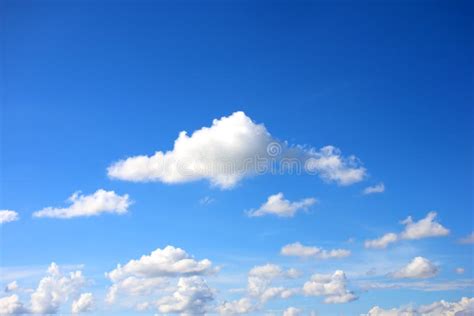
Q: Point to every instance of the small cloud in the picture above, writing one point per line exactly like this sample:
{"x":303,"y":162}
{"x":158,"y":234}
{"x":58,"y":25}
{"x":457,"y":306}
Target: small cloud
{"x":298,"y":250}
{"x":378,"y":188}
{"x":206,"y":200}
{"x":459,"y":270}
{"x":7,"y":216}
{"x":469,"y":239}
{"x":277,"y":205}
{"x":89,"y":205}
{"x":418,"y":268}
{"x":424,"y":228}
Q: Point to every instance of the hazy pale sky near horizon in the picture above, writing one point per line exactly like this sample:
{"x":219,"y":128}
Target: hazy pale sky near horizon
{"x":107,"y":207}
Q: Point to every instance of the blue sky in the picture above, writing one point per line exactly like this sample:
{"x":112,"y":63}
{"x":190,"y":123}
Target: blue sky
{"x":88,"y":83}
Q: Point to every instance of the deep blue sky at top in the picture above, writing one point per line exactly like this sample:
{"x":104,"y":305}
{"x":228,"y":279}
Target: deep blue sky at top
{"x":85,"y":83}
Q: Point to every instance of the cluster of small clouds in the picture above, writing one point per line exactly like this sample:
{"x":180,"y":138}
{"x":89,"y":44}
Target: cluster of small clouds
{"x":463,"y":307}
{"x":52,"y":292}
{"x":424,"y":228}
{"x":231,"y":149}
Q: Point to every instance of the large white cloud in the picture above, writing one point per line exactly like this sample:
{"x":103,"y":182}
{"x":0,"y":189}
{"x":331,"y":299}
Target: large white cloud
{"x":418,"y":268}
{"x":7,"y":216}
{"x":332,"y":286}
{"x":298,"y":250}
{"x":424,"y":228}
{"x":83,"y":304}
{"x":277,"y":205}
{"x":53,"y":290}
{"x":89,"y":205}
{"x":190,"y":298}
{"x":463,"y":307}
{"x":233,"y":148}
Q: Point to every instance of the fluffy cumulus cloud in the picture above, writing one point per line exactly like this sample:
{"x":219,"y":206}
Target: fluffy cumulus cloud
{"x":292,"y":311}
{"x":277,"y":205}
{"x":190,"y":298}
{"x":333,"y":287}
{"x":12,"y":286}
{"x":469,"y":239}
{"x":232,"y":148}
{"x":242,"y":306}
{"x":378,"y":188}
{"x":424,"y":228}
{"x":89,"y":205}
{"x":298,"y":250}
{"x":83,"y":304}
{"x":52,"y":292}
{"x":382,"y":242}
{"x":7,"y":216}
{"x":260,"y":289}
{"x":463,"y":307}
{"x":153,"y":276}
{"x":261,"y":279}
{"x":418,"y":268}
{"x":11,"y":305}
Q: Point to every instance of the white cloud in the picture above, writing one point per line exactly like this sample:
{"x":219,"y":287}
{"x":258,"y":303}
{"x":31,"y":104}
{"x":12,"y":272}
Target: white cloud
{"x":11,"y":305}
{"x":260,"y":282}
{"x":378,"y":188}
{"x":426,"y":227}
{"x":7,"y":216}
{"x":150,"y":275}
{"x":292,"y":311}
{"x":89,"y":205}
{"x":469,"y":239}
{"x":418,"y":268}
{"x":382,"y":242}
{"x":11,"y":287}
{"x":191,"y":297}
{"x":233,"y":148}
{"x":331,"y":166}
{"x":133,"y":286}
{"x":206,"y":200}
{"x":83,"y":304}
{"x":241,"y":306}
{"x":53,"y":290}
{"x":298,"y":250}
{"x":277,"y":205}
{"x":169,"y":261}
{"x":459,"y":270}
{"x":426,"y":286}
{"x":332,"y":287}
{"x":464,"y":307}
